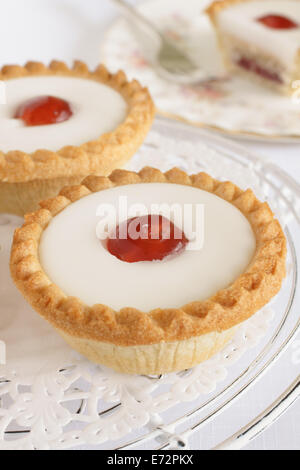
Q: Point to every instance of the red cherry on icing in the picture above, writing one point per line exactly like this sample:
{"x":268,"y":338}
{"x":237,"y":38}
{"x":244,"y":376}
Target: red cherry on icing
{"x":44,"y":110}
{"x":146,"y":238}
{"x":277,"y":22}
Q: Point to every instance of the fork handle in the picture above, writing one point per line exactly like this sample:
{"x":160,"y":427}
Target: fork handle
{"x":132,"y":14}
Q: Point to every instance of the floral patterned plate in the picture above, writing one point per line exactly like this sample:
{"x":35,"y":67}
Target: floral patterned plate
{"x":231,"y":105}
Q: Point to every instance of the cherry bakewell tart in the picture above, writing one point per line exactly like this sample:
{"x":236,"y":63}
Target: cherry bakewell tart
{"x":260,"y":39}
{"x":60,"y":125}
{"x":149,"y":305}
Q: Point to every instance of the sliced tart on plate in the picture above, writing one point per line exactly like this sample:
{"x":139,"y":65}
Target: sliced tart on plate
{"x":260,"y":39}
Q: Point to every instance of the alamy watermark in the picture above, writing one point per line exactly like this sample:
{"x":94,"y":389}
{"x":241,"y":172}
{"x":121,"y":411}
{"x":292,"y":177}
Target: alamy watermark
{"x":2,"y":353}
{"x":187,"y":218}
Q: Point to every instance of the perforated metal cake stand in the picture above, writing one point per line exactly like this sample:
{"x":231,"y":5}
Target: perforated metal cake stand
{"x":70,"y":403}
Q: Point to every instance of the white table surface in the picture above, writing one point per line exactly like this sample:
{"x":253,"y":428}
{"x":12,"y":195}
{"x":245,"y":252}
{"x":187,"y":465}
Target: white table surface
{"x":73,"y":29}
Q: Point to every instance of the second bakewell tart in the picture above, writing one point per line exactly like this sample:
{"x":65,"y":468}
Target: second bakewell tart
{"x":149,"y":305}
{"x":61,"y":124}
{"x":260,"y":39}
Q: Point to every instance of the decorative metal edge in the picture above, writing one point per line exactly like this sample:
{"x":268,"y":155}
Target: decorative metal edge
{"x":263,"y":421}
{"x":239,"y":134}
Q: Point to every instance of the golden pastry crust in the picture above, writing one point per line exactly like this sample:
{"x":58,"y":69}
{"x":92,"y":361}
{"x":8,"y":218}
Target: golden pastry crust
{"x":130,"y":327}
{"x":218,"y":5}
{"x":22,"y":198}
{"x":100,"y":156}
{"x":159,"y":358}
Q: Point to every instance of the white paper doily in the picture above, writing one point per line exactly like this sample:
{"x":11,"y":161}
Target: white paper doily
{"x":231,"y":105}
{"x":51,"y":398}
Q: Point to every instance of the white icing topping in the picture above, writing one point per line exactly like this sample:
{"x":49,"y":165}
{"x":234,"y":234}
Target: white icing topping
{"x":75,"y":259}
{"x":97,"y":109}
{"x":240,"y":21}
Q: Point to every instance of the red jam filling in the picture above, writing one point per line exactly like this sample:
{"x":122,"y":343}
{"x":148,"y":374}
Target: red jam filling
{"x":146,"y":238}
{"x":277,"y":22}
{"x":44,"y":110}
{"x":252,"y":66}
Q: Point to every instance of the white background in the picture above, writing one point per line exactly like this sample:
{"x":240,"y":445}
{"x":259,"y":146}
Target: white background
{"x":73,"y":29}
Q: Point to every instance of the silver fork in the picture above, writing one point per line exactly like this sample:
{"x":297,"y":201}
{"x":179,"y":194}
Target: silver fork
{"x":170,"y":61}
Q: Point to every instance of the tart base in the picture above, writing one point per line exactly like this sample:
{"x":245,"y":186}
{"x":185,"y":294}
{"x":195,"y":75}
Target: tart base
{"x":154,"y":359}
{"x":22,"y":198}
